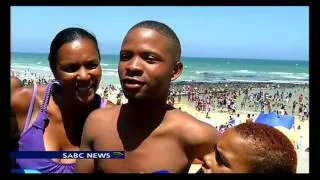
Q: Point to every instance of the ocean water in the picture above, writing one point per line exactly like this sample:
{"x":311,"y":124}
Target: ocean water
{"x":195,"y":69}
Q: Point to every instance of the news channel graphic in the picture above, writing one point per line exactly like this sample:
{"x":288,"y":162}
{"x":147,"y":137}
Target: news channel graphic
{"x":68,"y":154}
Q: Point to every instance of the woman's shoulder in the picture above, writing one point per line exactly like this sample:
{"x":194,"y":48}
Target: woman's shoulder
{"x":21,"y":97}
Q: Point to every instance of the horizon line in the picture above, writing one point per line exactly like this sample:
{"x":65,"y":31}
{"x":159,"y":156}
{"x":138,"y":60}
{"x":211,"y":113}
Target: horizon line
{"x":205,"y":57}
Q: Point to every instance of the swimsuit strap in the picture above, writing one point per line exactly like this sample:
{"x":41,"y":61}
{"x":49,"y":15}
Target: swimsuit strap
{"x":34,"y":94}
{"x":103,"y":103}
{"x":46,"y":98}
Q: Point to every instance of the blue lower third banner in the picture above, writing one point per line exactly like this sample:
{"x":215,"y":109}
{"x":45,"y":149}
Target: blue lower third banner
{"x":68,"y":154}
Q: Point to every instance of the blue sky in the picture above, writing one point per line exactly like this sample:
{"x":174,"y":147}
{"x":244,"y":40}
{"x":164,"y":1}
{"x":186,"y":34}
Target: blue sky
{"x":261,"y":32}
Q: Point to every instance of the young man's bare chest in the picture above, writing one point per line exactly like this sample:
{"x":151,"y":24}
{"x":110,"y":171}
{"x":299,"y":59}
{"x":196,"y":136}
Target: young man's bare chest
{"x":157,"y":151}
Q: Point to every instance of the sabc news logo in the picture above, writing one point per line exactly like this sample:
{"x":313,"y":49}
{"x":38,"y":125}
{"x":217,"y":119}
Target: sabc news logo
{"x":69,"y":154}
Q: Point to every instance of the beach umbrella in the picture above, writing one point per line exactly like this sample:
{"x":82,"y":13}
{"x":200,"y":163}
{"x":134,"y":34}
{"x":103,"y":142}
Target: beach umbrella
{"x":273,"y":119}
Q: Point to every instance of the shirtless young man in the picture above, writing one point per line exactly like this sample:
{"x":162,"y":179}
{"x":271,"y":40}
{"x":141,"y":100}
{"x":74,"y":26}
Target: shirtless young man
{"x":154,"y":135}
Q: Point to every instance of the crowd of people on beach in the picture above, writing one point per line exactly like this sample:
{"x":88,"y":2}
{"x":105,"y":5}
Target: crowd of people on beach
{"x":235,"y":97}
{"x":74,"y":116}
{"x":28,"y":77}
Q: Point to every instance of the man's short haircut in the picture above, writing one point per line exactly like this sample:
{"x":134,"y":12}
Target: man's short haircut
{"x":272,"y":151}
{"x":162,"y":29}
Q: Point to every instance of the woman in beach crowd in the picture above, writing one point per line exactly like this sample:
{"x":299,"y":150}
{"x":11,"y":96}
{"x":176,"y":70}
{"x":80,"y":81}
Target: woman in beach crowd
{"x":294,"y":107}
{"x":300,"y":110}
{"x":305,"y":112}
{"x":251,"y":148}
{"x":154,"y":135}
{"x":300,"y":99}
{"x":237,"y":120}
{"x":51,"y":117}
